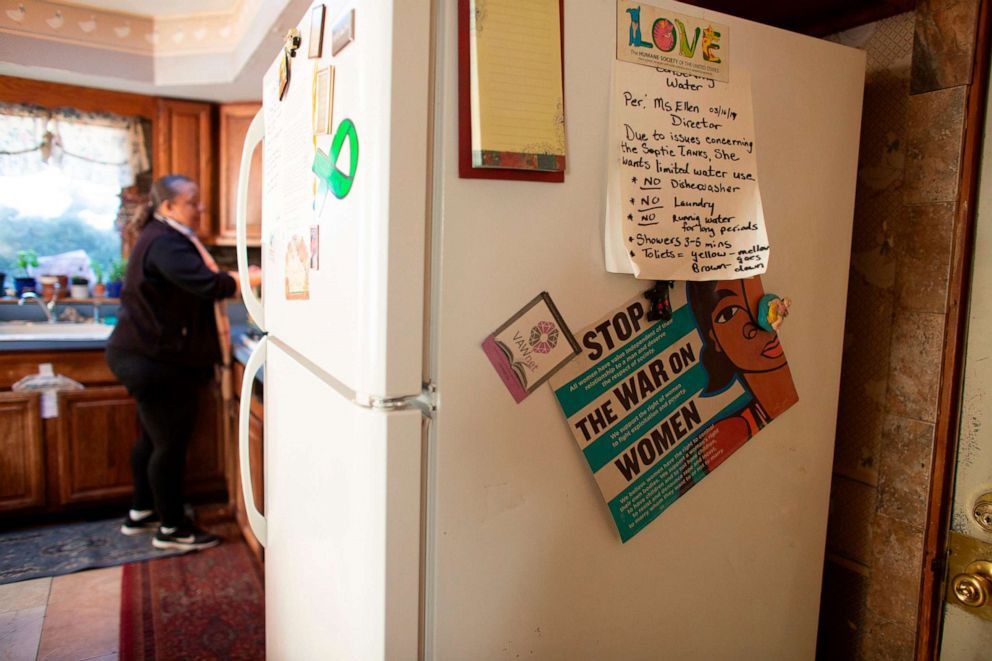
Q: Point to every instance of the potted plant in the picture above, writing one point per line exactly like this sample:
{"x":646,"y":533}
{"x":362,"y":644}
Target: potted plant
{"x":115,"y":277}
{"x":99,"y":288}
{"x":79,"y":287}
{"x":25,"y":282}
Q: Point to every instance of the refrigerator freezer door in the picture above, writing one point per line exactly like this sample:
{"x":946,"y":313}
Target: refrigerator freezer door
{"x":525,"y":559}
{"x":342,"y":501}
{"x":343,"y":250}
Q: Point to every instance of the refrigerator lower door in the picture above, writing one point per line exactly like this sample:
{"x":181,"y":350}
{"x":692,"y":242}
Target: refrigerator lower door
{"x":342,"y":500}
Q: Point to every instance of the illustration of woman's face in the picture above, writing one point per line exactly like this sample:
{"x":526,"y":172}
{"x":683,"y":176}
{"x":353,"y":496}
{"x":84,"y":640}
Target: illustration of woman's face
{"x":735,"y":332}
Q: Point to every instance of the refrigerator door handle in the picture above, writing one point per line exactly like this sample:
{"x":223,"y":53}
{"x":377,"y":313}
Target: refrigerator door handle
{"x":256,"y":521}
{"x":255,"y":134}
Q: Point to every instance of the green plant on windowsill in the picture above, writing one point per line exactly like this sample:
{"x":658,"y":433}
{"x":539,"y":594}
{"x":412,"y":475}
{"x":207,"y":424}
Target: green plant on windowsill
{"x":97,"y":272}
{"x":115,"y":276}
{"x":99,"y":286}
{"x":116,"y":271}
{"x":24,"y":282}
{"x":26,"y":258}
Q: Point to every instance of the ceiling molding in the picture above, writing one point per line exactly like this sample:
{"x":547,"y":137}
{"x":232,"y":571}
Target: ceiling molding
{"x":60,"y":22}
{"x":154,"y":8}
{"x":214,"y":55}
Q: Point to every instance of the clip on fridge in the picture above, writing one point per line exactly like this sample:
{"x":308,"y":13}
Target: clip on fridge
{"x":661,"y":304}
{"x":293,"y":42}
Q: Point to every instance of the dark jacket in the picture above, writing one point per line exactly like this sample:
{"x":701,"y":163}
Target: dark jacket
{"x":167,"y":303}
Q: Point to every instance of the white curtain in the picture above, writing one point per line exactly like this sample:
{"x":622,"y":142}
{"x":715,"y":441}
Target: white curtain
{"x":93,"y":147}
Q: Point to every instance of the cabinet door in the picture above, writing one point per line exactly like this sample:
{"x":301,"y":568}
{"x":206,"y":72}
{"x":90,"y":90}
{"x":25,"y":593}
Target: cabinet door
{"x":184,"y":145}
{"x":97,"y":428}
{"x":22,"y":464}
{"x":205,"y":458}
{"x":234,"y":121}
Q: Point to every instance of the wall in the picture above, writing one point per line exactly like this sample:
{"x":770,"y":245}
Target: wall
{"x":916,"y":92}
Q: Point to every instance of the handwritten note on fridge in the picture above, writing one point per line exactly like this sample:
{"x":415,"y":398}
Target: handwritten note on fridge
{"x":683,"y":200}
{"x":518,"y":118}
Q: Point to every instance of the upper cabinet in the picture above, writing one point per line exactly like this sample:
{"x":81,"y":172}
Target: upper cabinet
{"x":234,"y":121}
{"x":184,"y":145}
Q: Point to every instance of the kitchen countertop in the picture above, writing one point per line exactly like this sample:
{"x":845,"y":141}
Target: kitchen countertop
{"x":240,"y":330}
{"x":241,"y":347}
{"x":53,"y":345}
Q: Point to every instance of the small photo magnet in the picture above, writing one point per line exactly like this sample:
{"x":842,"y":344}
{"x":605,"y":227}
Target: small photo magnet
{"x":316,"y":32}
{"x":343,"y":32}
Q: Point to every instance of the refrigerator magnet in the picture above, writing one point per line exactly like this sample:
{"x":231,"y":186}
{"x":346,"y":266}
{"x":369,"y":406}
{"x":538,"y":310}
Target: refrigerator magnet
{"x":343,"y":32}
{"x":298,"y":269}
{"x":290,"y":46}
{"x":283,"y":74}
{"x":323,"y":101}
{"x":530,"y":346}
{"x":316,"y":32}
{"x":315,"y":248}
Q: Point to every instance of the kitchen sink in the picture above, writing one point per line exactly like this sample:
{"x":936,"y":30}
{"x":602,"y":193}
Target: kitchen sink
{"x":15,"y":331}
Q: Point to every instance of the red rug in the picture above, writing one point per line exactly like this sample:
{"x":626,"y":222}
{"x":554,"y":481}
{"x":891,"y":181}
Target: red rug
{"x":203,"y":605}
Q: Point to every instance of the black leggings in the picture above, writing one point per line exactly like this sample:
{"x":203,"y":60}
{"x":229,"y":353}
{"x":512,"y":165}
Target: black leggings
{"x":167,"y":396}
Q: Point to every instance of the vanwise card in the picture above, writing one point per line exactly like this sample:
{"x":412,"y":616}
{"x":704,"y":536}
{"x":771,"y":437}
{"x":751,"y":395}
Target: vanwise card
{"x":531,"y":346}
{"x":656,"y":406}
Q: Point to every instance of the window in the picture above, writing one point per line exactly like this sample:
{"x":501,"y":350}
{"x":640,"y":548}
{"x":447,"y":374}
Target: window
{"x":62,"y":174}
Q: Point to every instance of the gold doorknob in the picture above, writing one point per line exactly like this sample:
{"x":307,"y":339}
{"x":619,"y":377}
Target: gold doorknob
{"x":974,"y":587}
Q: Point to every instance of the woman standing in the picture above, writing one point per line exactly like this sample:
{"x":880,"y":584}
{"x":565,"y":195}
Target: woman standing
{"x":164,"y":347}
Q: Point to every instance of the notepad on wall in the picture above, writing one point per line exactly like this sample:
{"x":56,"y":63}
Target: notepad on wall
{"x":518,"y":111}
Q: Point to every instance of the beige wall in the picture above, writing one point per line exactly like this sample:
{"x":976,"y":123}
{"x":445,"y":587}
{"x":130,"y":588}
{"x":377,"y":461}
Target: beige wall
{"x":916,"y":90}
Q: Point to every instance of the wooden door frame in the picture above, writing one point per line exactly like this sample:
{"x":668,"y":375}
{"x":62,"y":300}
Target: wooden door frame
{"x":943,"y":461}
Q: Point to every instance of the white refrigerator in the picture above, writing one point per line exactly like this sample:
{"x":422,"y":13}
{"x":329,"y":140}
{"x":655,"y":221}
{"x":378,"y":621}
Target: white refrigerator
{"x":412,"y":508}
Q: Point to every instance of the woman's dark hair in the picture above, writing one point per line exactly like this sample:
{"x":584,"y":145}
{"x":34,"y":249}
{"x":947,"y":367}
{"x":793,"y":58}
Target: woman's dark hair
{"x":721,"y":371}
{"x":164,"y":189}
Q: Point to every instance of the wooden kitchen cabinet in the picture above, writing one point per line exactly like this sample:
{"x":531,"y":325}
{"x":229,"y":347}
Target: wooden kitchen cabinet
{"x":184,"y":144}
{"x":83,"y":457}
{"x":205,"y":473}
{"x":234,"y":121}
{"x":97,"y":428}
{"x":22,"y":461}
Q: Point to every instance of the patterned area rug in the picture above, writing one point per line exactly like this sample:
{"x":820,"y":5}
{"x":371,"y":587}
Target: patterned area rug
{"x":203,"y":605}
{"x":68,"y":548}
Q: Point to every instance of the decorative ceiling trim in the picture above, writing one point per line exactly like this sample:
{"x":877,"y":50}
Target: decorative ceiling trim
{"x":223,"y":70}
{"x":164,"y":36}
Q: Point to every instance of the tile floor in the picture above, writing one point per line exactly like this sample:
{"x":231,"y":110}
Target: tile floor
{"x":76,"y":617}
{"x":66,"y":618}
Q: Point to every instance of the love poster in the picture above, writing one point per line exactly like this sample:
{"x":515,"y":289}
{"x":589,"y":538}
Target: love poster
{"x":683,"y":198}
{"x":656,"y":406}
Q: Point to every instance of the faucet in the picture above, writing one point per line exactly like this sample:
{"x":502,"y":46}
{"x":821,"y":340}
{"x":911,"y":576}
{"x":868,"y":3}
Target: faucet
{"x":48,"y":308}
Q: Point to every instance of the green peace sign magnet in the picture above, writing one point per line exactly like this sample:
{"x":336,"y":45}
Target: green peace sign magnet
{"x":325,"y":166}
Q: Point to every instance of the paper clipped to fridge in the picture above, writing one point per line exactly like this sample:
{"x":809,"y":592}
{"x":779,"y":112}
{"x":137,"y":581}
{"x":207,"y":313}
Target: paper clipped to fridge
{"x":683,"y":199}
{"x":518,"y":118}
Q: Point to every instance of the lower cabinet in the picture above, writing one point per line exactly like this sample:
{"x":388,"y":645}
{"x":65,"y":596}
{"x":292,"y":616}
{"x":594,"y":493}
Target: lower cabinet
{"x":82,"y":457}
{"x":22,"y":458}
{"x":205,"y":470}
{"x":97,"y":428}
